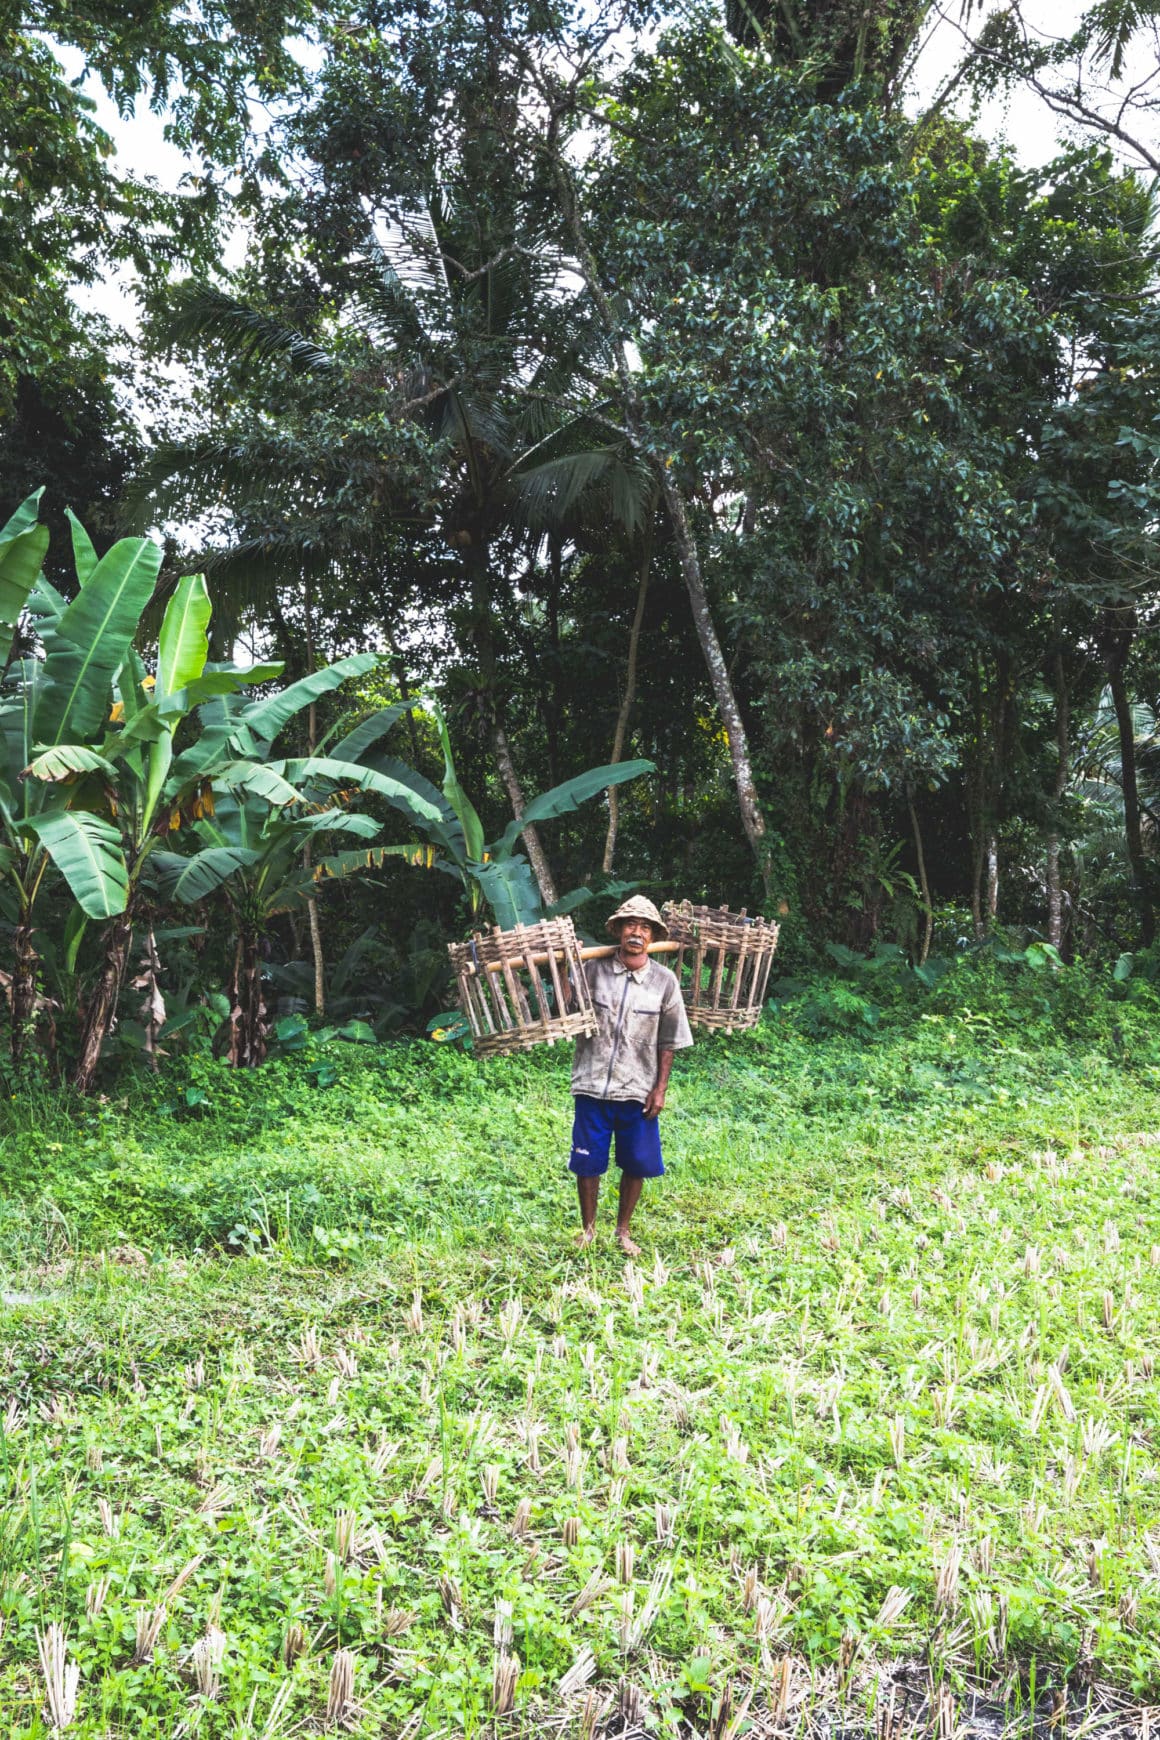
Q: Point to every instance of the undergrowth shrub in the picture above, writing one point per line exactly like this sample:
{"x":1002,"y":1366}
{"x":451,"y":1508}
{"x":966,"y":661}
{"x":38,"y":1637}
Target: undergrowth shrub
{"x":418,"y":1141}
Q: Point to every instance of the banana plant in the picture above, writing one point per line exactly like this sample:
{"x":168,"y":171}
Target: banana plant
{"x":252,"y":851}
{"x":60,"y":700}
{"x":493,"y":874}
{"x":128,"y":791}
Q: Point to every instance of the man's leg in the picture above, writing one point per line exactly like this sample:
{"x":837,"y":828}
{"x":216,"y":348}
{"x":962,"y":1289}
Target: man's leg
{"x":588,"y":1190}
{"x":591,"y":1140}
{"x":638,"y":1154}
{"x":630,"y":1189}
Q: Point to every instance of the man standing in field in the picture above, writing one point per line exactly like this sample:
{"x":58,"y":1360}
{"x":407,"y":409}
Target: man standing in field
{"x":620,"y":1074}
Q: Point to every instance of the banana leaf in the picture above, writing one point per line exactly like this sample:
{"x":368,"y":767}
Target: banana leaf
{"x":84,"y":555}
{"x":190,"y":879}
{"x":266,"y":718}
{"x":350,"y":773}
{"x":448,"y":832}
{"x":354,"y":745}
{"x":418,"y":856}
{"x":334,"y":822}
{"x":183,"y":643}
{"x":578,"y":897}
{"x":66,"y":761}
{"x":86,"y":850}
{"x":510,"y":890}
{"x":90,"y":640}
{"x":21,"y":559}
{"x":23,"y":519}
{"x":16,"y":734}
{"x":569,"y":796}
{"x":262,"y":781}
{"x":214,"y":682}
{"x":456,"y":796}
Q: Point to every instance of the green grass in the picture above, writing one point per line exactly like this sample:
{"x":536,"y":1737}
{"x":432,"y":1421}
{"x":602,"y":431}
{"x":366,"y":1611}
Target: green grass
{"x":893,"y":1331}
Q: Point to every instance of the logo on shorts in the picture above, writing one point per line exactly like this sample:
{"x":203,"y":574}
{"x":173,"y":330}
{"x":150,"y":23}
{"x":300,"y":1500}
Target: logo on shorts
{"x":583,"y":1151}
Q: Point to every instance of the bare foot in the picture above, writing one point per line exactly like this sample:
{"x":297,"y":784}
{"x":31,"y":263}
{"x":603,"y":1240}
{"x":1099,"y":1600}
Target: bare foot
{"x":585,"y":1237}
{"x":627,"y":1245}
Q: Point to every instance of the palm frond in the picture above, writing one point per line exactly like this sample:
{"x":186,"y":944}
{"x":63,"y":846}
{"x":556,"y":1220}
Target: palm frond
{"x":604,"y":480}
{"x":203,"y":312}
{"x":551,"y":488}
{"x":246,"y":467}
{"x":405,"y":243}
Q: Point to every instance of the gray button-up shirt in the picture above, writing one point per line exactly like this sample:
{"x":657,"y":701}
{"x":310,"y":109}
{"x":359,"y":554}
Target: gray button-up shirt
{"x":638,"y":1014}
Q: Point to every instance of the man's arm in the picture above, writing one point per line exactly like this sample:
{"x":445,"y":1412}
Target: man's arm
{"x":656,"y":1099}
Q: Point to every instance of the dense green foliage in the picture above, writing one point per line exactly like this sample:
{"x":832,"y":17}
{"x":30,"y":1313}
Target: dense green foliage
{"x":590,"y":443}
{"x":665,"y":396}
{"x":313,"y":1345}
{"x":108,"y":769}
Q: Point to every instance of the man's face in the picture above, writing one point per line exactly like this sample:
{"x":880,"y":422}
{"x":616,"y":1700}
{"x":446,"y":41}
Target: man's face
{"x":635,"y":936}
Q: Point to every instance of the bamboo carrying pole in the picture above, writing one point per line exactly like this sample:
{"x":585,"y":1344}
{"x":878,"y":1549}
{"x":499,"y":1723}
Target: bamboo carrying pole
{"x":599,"y":952}
{"x":722,"y":966}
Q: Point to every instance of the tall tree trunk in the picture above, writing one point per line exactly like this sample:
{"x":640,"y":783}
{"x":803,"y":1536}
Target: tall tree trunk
{"x":152,"y":1010}
{"x":629,"y":696}
{"x":1133,"y":835}
{"x":1054,"y":889}
{"x":404,"y":693}
{"x":475,"y":556}
{"x":311,"y":904}
{"x":102,"y":1008}
{"x":1059,"y":787}
{"x":752,"y":819}
{"x":248,"y":1039}
{"x":978,"y":860}
{"x":316,"y":949}
{"x":924,"y":885}
{"x":974,"y":790}
{"x":537,"y":857}
{"x":1004,"y":727}
{"x":992,"y":876}
{"x":550,"y":689}
{"x":993,"y":723}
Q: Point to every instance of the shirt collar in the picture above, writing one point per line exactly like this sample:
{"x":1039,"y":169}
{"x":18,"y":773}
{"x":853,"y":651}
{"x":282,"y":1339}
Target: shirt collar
{"x":636,"y":973}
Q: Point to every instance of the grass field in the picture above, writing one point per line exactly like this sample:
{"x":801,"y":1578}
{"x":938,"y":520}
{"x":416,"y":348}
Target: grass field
{"x":880,"y":1394}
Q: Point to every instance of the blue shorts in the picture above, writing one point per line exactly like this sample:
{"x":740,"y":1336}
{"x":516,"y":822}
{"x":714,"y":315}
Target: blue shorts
{"x":638,"y":1139}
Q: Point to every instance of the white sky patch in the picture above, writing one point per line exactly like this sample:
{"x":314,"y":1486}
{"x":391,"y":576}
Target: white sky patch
{"x":1019,"y":117}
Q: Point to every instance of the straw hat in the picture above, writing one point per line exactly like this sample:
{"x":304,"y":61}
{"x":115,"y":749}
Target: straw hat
{"x":639,"y":907}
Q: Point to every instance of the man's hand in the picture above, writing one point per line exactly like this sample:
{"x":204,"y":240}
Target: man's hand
{"x":655,"y":1102}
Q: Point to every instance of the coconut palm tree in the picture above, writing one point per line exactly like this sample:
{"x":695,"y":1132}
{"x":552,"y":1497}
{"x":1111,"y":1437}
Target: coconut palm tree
{"x":440,"y":406}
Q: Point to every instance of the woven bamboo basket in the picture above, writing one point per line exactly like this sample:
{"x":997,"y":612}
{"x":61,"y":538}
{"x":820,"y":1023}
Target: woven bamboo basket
{"x":511,"y":986}
{"x":723,"y":963}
